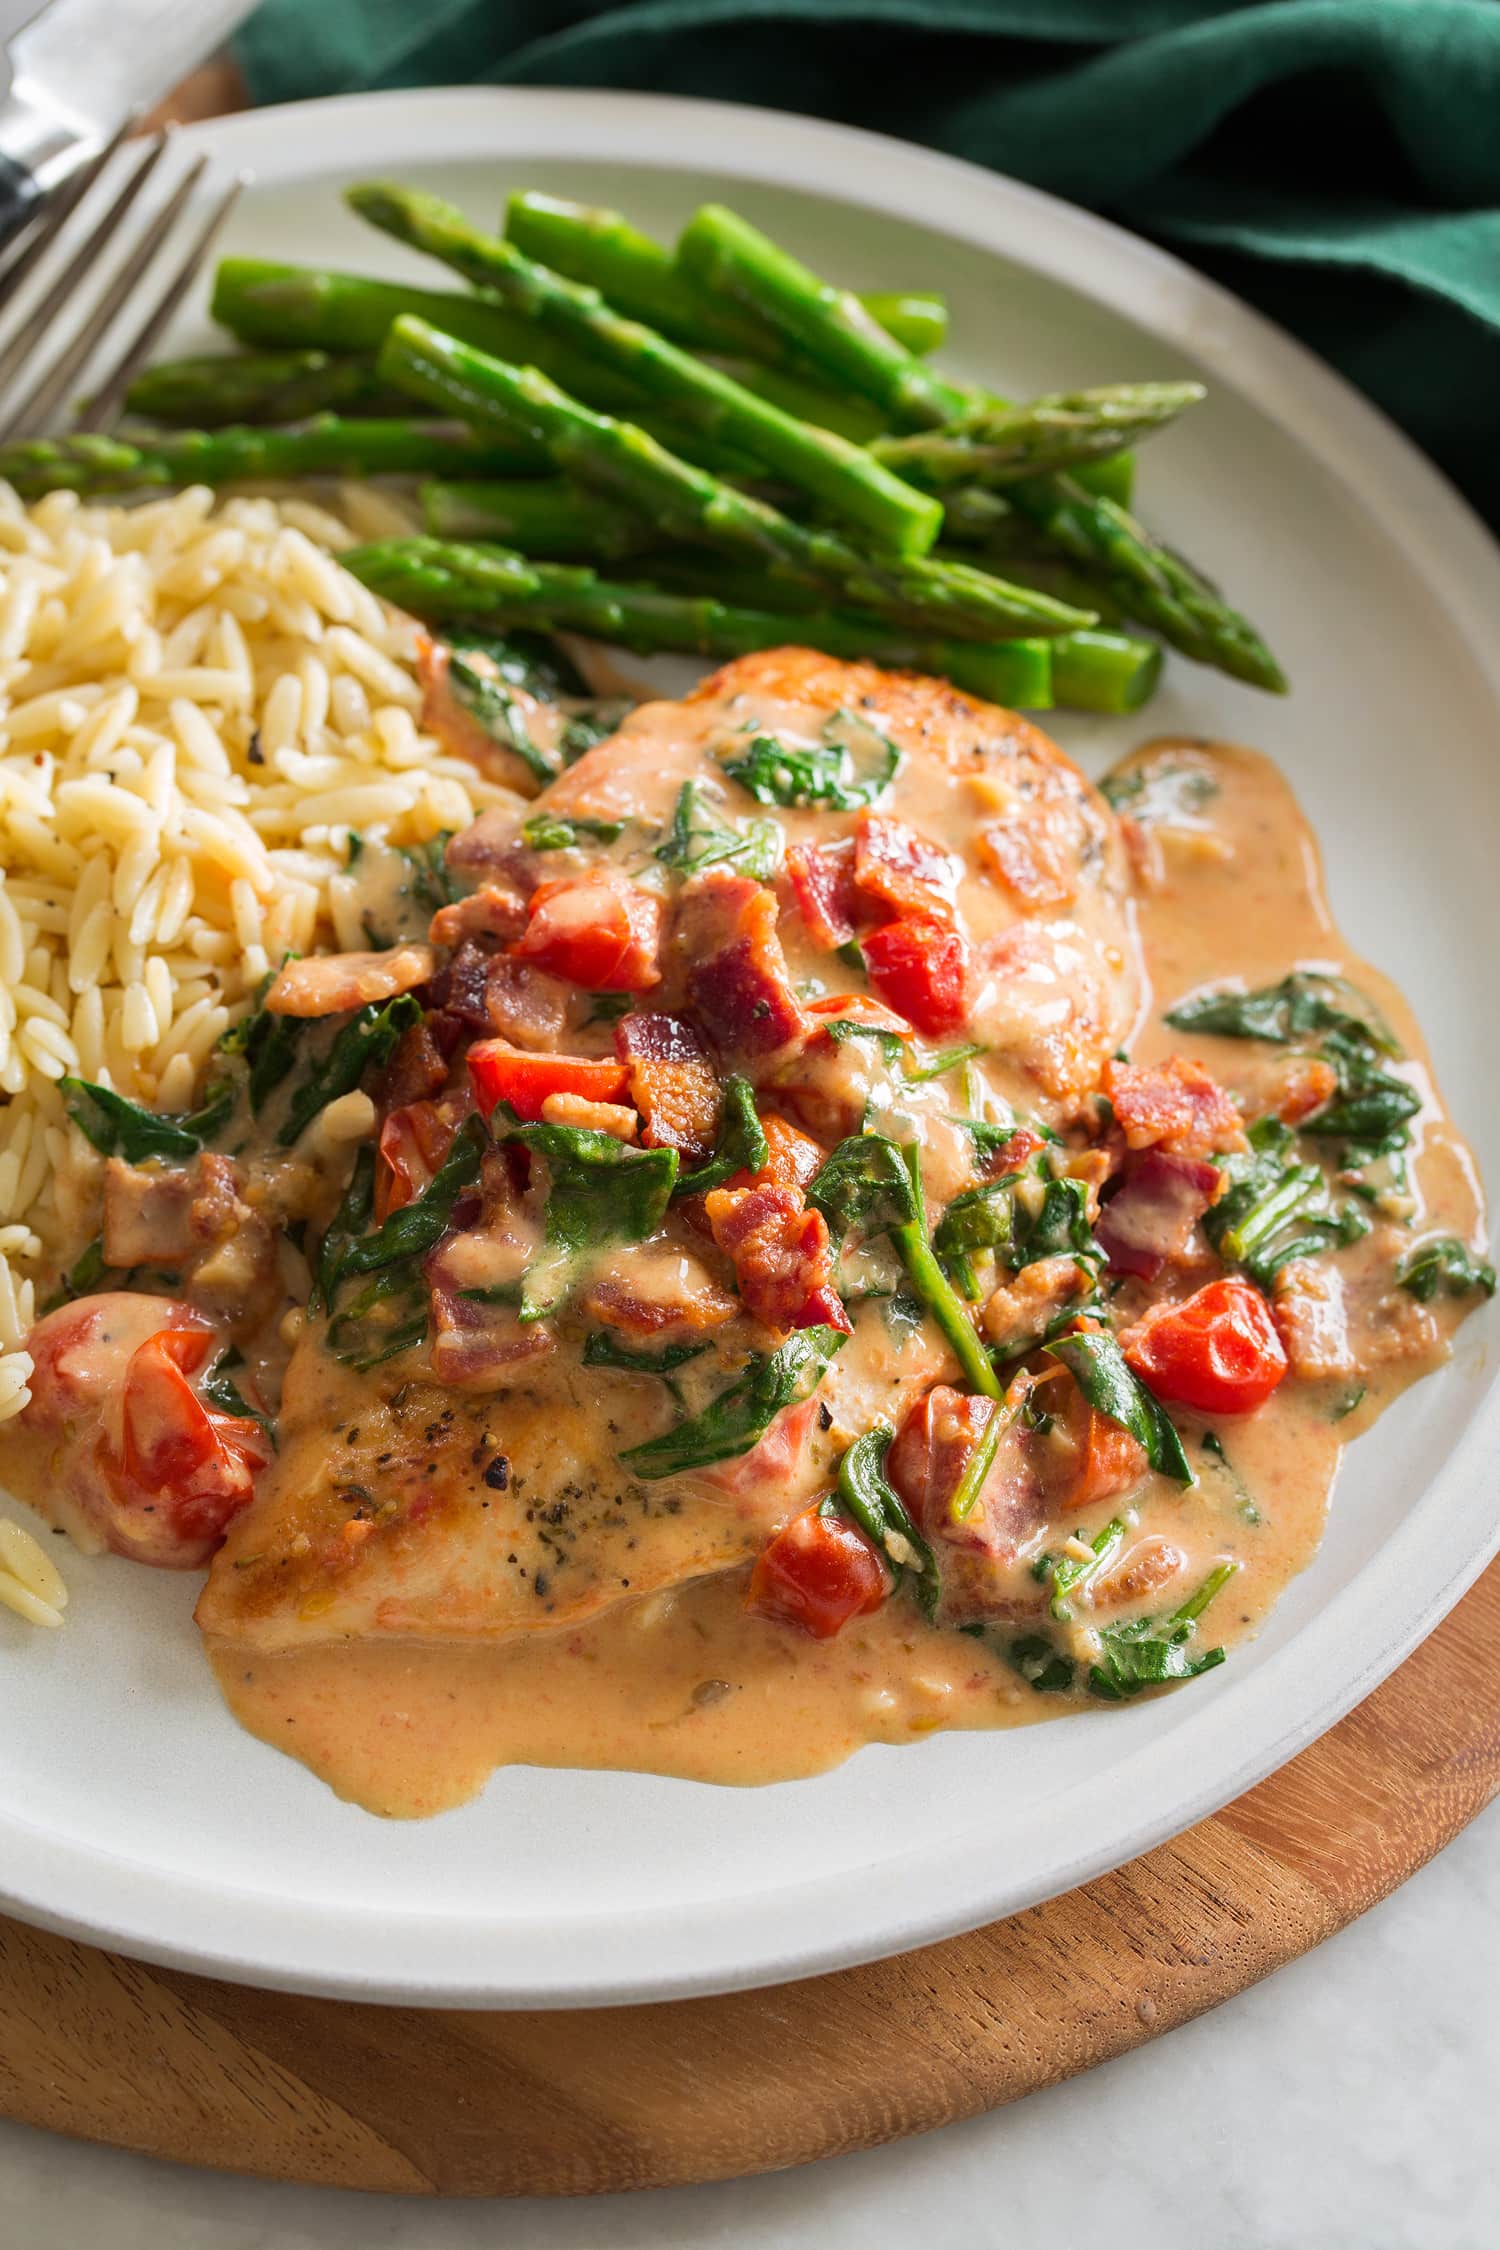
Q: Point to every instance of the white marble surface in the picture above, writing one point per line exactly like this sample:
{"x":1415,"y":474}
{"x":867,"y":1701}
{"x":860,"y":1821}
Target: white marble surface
{"x":1347,"y":2104}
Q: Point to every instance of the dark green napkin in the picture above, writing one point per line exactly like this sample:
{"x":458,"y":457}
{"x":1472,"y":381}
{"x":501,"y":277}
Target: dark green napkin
{"x":1335,"y":161}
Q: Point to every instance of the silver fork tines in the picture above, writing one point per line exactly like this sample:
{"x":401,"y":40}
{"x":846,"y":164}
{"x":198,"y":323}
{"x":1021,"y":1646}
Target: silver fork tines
{"x":54,"y":375}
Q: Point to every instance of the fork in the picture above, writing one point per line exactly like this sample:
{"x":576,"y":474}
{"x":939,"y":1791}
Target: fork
{"x":25,"y":352}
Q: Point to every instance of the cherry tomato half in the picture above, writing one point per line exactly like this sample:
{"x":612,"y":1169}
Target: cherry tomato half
{"x":1218,"y":1353}
{"x":818,"y":1572}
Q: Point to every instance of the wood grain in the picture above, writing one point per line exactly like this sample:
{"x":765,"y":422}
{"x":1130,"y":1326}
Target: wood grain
{"x":423,"y":2102}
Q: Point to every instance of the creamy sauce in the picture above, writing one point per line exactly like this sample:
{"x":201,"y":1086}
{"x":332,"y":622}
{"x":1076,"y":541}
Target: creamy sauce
{"x":683,"y":1682}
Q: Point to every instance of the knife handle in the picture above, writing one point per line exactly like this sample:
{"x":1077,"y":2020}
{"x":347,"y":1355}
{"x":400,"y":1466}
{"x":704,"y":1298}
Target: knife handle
{"x":19,"y":196}
{"x":38,"y":151}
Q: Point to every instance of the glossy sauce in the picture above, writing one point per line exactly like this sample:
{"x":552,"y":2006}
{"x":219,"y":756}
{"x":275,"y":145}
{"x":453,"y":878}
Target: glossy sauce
{"x":683,"y":1682}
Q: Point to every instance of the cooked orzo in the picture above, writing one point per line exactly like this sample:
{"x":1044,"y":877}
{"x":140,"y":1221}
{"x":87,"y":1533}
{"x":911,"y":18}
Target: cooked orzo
{"x":198,"y":710}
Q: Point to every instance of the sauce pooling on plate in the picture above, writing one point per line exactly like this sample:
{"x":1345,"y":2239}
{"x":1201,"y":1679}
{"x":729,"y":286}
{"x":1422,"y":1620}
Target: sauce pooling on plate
{"x":865,"y":1235}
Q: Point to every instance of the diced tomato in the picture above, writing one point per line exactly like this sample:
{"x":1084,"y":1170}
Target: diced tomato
{"x":858,"y":1007}
{"x":1112,"y":1461}
{"x":508,"y":1074}
{"x":1174,"y":1105}
{"x":818,"y":1573}
{"x":822,"y":881}
{"x":782,"y":1256}
{"x":601,"y":931}
{"x":900,"y":871}
{"x":1218,"y":1353}
{"x":413,"y":1142}
{"x":920,"y":965}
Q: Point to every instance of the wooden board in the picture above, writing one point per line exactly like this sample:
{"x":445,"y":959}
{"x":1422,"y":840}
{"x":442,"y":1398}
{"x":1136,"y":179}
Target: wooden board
{"x":569,"y":2104}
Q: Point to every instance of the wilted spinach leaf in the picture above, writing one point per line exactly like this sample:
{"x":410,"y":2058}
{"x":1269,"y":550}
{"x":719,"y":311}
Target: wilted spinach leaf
{"x":740,"y":1146}
{"x":367,"y":1040}
{"x":118,"y":1127}
{"x":740,"y":1416}
{"x":1443,"y":1266}
{"x":598,"y":1192}
{"x":1111,"y":1387}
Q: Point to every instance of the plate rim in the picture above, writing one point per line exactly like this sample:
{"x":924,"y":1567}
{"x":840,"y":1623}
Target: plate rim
{"x":186,"y":1924}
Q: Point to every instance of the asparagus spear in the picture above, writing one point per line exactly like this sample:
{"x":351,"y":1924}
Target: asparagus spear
{"x":325,"y":447}
{"x":1111,"y":672}
{"x":309,"y":306}
{"x":728,"y":257}
{"x":603,"y":248}
{"x":209,"y":392}
{"x":1099,"y":671}
{"x":724,"y":253}
{"x":998,"y":444}
{"x":841,"y":477}
{"x":435,"y":580}
{"x":543,"y":517}
{"x":1147,"y":579}
{"x":691,"y":505}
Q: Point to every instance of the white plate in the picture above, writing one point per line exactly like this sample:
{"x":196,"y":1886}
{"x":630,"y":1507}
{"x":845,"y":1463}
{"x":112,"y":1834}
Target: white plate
{"x":139,"y":1816}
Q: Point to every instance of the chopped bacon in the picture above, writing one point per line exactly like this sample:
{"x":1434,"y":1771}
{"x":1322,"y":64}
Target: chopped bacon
{"x":330,"y":984}
{"x":190,"y":1218}
{"x":600,"y":931}
{"x":822,"y":884}
{"x":1149,"y":1220}
{"x":508,"y":1074}
{"x":1308,"y":1307}
{"x":1174,"y":1105}
{"x":416,"y":1071}
{"x":738,"y":979}
{"x":899,"y":871}
{"x":671,"y":1081}
{"x":1015,"y":1151}
{"x":648,"y":1296}
{"x":413,"y":1142}
{"x":232,"y":1267}
{"x":1304,"y":1085}
{"x":480,"y":1347}
{"x":524,"y":1004}
{"x":148,"y":1213}
{"x":493,"y":847}
{"x":498,"y":910}
{"x":782,"y":1256}
{"x":1018,"y":1314}
{"x":460,"y":991}
{"x":920,"y":965}
{"x":1034,"y":853}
